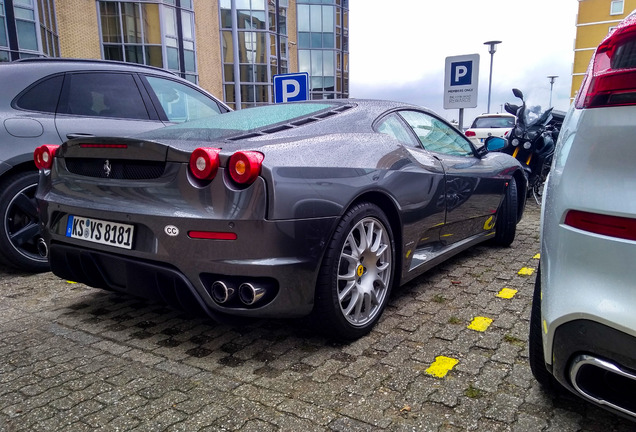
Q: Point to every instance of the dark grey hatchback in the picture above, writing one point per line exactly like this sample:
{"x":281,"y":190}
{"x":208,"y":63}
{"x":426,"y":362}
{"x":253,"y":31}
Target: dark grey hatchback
{"x":48,"y":101}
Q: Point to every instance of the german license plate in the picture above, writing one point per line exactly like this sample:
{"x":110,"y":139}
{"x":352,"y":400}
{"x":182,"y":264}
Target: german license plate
{"x":100,"y":231}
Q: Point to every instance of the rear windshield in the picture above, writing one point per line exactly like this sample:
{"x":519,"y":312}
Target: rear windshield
{"x":493,"y":122}
{"x":236,"y":122}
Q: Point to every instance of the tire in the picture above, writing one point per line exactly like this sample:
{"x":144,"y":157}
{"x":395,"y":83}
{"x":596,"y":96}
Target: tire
{"x":356,"y":275}
{"x":506,"y":225}
{"x":20,"y":229}
{"x":535,"y":342}
{"x":537,"y":188}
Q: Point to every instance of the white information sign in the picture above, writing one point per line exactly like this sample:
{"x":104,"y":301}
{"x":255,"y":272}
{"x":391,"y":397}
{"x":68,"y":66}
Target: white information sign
{"x":461,"y":80}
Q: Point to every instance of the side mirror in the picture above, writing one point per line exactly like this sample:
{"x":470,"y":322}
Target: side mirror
{"x":495,"y":143}
{"x":517,"y":93}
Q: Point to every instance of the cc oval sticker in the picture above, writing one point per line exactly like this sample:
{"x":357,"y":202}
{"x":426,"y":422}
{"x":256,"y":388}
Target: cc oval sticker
{"x":171,"y":230}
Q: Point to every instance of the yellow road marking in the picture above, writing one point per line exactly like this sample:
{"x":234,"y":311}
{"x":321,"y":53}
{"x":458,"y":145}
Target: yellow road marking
{"x":526,"y":271}
{"x":480,"y":324}
{"x":441,"y":366}
{"x":537,"y":256}
{"x":507,"y":293}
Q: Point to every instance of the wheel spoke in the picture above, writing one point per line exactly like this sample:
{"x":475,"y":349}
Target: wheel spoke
{"x":368,"y":235}
{"x":383,"y":266}
{"x":381,"y":250}
{"x":358,"y":309}
{"x":374,"y":298}
{"x":353,"y":303}
{"x":355,"y":248}
{"x":353,"y":261}
{"x":346,"y":291}
{"x":27,"y":205}
{"x":23,"y":235}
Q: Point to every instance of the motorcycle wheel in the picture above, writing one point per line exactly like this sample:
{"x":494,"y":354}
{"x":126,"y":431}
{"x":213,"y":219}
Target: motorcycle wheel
{"x":537,"y":187}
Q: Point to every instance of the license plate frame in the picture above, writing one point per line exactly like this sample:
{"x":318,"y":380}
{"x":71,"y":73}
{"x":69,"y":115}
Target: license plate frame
{"x":100,"y":231}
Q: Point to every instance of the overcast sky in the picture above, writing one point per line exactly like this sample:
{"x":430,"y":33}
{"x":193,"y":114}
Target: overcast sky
{"x":398,"y":49}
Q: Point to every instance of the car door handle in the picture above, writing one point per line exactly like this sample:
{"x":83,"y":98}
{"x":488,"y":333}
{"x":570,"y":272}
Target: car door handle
{"x":79,"y":135}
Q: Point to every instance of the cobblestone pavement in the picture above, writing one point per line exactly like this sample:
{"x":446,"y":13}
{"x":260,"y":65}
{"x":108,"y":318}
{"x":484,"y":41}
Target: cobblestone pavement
{"x":74,"y":358}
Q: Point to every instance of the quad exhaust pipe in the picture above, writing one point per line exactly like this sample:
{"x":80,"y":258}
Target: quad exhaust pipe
{"x":221,"y":292}
{"x":249,"y":293}
{"x":42,"y":248}
{"x":604,"y":383}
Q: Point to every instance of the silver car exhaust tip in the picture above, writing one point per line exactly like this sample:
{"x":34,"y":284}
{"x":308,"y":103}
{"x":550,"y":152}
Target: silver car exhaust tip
{"x":221,"y":292}
{"x":43,"y":249}
{"x":250,"y":294}
{"x":604,"y":383}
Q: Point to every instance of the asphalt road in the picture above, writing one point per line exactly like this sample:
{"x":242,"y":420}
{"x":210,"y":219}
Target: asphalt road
{"x":450,"y":354}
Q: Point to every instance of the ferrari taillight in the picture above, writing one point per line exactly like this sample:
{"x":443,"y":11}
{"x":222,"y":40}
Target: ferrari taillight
{"x":43,"y":156}
{"x":204,"y":162}
{"x":607,"y":225}
{"x":245,"y":166}
{"x":611,"y":77}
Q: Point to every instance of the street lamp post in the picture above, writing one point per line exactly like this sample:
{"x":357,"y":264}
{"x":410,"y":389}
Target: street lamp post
{"x":492,"y":48}
{"x":552,"y":78}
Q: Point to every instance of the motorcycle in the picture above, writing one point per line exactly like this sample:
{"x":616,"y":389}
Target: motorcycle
{"x":531,"y":142}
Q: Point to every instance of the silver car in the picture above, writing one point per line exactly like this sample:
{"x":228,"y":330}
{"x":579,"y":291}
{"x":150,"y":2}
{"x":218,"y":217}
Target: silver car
{"x":583,"y":321}
{"x":48,"y":101}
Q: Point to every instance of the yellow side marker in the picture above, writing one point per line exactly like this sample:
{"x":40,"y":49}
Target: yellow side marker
{"x":545,"y":326}
{"x":480,"y":324}
{"x":526,"y":271}
{"x":537,"y":256}
{"x":441,"y":366}
{"x":71,"y":282}
{"x":408,"y":253}
{"x":489,"y":224}
{"x":507,"y":293}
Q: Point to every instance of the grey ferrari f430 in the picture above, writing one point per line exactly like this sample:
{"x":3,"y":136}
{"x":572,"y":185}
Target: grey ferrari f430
{"x":286,"y":210}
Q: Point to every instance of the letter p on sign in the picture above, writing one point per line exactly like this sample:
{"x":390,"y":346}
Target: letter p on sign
{"x":291,"y":89}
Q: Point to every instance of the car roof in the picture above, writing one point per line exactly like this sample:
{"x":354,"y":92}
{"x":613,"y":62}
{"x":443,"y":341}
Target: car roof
{"x":495,"y":115}
{"x":71,"y":64}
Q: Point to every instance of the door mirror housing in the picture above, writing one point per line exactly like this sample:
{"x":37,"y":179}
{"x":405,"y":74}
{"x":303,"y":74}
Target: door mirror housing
{"x":495,"y":143}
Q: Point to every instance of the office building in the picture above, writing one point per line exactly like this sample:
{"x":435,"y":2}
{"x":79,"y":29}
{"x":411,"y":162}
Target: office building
{"x":232,"y":48}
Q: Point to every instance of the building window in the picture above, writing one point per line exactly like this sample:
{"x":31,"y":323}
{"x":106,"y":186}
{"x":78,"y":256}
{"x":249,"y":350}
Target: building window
{"x":616,"y":7}
{"x":157,"y":34}
{"x":256,"y":53}
{"x":4,"y":40}
{"x":323,"y":46}
{"x":48,"y":28}
{"x":28,"y":29}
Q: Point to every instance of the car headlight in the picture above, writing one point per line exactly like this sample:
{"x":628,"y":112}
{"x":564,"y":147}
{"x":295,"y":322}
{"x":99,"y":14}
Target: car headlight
{"x":515,"y":142}
{"x":527,"y":145}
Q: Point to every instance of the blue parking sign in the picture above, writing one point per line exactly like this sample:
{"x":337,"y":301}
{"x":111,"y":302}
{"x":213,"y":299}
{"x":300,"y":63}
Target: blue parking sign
{"x":291,"y":87}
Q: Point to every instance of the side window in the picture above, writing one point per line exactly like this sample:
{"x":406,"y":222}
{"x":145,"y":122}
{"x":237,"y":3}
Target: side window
{"x":104,"y":95}
{"x":392,"y":125}
{"x":436,"y":136}
{"x":43,"y":96}
{"x":180,"y":102}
